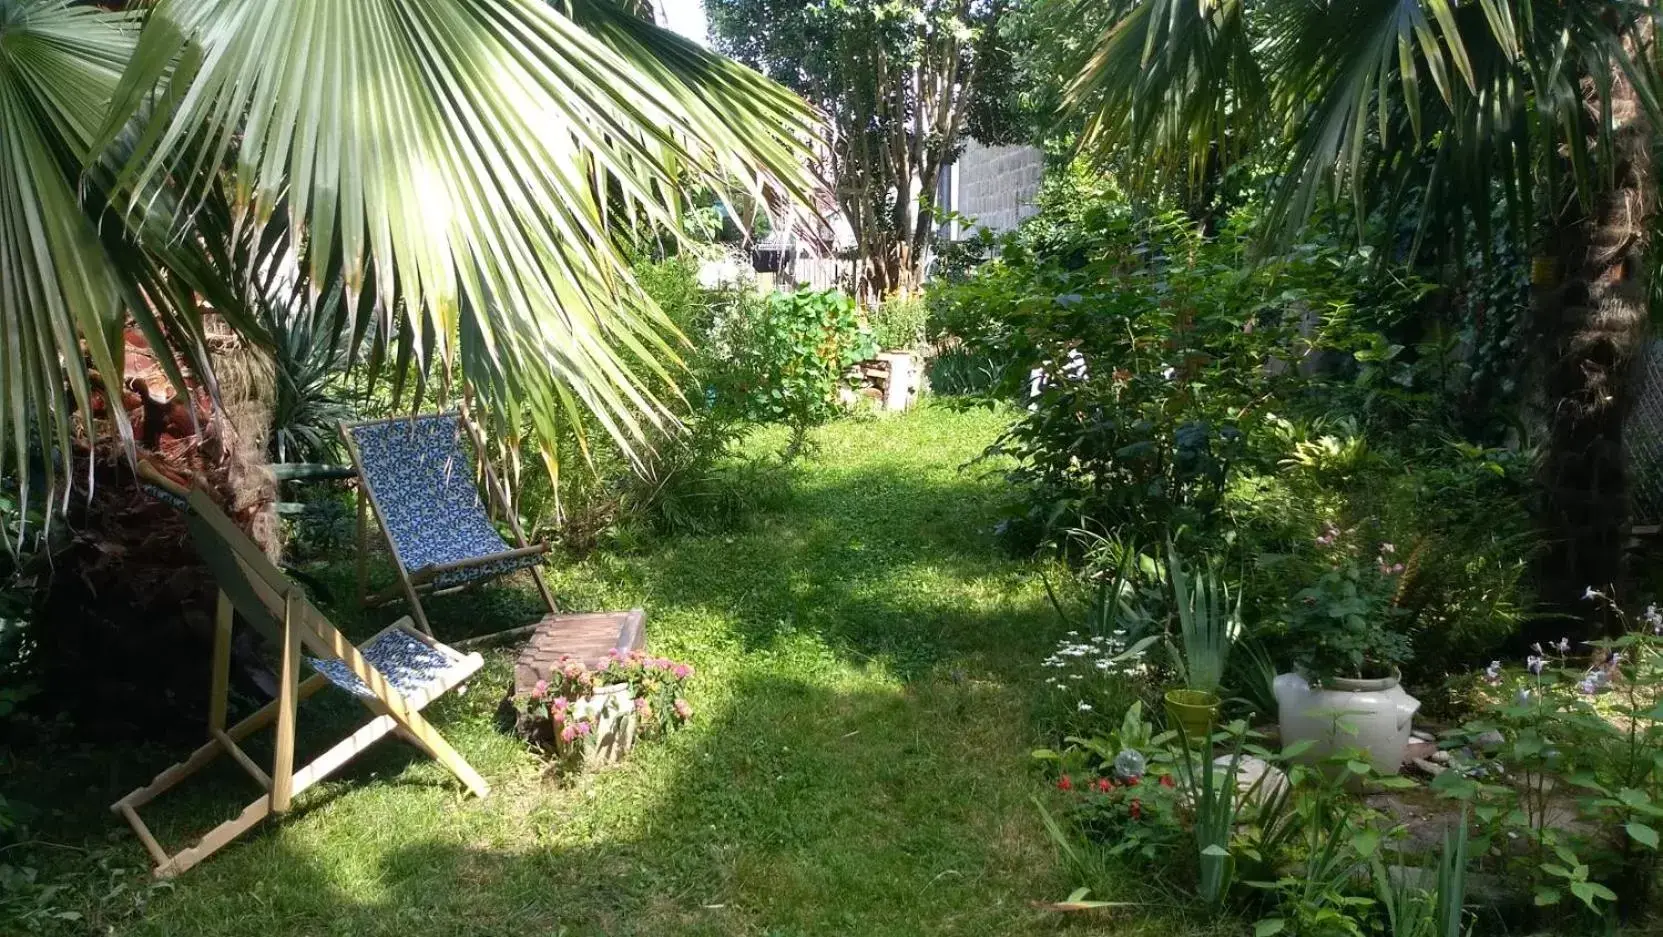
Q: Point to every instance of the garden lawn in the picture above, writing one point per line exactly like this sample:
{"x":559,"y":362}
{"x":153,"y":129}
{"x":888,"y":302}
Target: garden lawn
{"x":859,"y":762}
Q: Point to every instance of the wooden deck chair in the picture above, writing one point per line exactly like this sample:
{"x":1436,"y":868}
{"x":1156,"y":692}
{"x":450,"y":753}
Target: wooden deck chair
{"x":395,"y":674}
{"x":416,"y":475}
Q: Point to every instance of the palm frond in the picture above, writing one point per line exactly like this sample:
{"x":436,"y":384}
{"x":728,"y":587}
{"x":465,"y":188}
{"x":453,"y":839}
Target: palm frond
{"x":68,"y":283}
{"x":1422,"y":107}
{"x":455,"y":163}
{"x":1178,"y":82}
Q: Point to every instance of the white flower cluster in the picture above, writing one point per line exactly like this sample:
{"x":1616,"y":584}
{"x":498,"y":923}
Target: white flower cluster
{"x":1108,"y":655}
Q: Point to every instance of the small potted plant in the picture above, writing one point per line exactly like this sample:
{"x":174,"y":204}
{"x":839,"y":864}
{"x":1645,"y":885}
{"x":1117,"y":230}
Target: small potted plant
{"x":1347,"y":647}
{"x":594,"y":716}
{"x":1209,"y":620}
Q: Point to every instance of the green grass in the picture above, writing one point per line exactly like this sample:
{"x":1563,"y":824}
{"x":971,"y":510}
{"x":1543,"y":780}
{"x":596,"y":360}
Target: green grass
{"x":858,"y":764}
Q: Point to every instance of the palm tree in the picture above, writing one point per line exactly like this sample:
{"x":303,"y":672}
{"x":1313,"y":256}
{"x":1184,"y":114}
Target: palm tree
{"x":1438,"y":110}
{"x":433,"y":185}
{"x":455,"y":168}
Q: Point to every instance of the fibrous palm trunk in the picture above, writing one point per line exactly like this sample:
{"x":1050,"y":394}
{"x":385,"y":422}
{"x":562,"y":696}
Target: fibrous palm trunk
{"x":1591,"y":307}
{"x":127,"y":600}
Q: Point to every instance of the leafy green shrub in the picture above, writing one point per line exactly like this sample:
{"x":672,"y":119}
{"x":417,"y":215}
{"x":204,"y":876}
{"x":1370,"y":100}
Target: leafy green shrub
{"x":899,"y":322}
{"x":1149,"y":352}
{"x":689,"y":481}
{"x":956,"y":371}
{"x":785,"y":362}
{"x":1180,"y":383}
{"x":311,"y":399}
{"x":1456,"y":514}
{"x":1343,"y":624}
{"x":751,"y":360}
{"x":1570,"y":736}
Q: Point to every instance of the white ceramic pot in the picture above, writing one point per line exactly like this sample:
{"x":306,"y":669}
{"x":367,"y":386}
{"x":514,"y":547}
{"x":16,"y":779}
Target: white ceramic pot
{"x":1343,"y":714}
{"x":613,"y":709}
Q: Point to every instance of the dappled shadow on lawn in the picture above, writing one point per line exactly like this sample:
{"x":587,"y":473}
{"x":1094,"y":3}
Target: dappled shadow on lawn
{"x":880,"y":565}
{"x":796,"y":810}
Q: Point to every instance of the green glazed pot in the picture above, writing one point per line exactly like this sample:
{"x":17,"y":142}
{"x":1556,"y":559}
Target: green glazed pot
{"x":1195,"y":710}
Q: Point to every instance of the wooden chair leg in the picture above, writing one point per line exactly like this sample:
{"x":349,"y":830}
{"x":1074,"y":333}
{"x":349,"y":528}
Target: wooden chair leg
{"x":218,"y":838}
{"x":303,"y":779}
{"x":428,"y":739}
{"x":212,"y":749}
{"x":282,"y":769}
{"x":221,"y":685}
{"x":543,"y":588}
{"x":150,"y":845}
{"x":416,"y":610}
{"x":363,"y":544}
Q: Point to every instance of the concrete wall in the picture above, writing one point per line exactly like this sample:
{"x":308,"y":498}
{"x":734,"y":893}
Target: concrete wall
{"x":997,"y":186}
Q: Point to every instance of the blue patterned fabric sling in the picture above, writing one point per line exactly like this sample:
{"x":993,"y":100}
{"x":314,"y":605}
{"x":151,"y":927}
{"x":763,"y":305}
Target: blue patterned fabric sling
{"x":425,"y":495}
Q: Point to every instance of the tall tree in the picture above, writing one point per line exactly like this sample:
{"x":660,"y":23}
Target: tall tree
{"x":899,"y":79}
{"x":1440,"y":111}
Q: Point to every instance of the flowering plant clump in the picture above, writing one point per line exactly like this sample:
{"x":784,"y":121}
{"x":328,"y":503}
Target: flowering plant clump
{"x":579,"y":707}
{"x":1134,"y":817}
{"x":1344,"y":623}
{"x":657,"y":685}
{"x":1092,"y":674}
{"x":1578,"y":729}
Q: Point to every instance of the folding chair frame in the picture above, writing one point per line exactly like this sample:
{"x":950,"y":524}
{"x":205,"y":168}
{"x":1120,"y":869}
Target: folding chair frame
{"x":302,"y":626}
{"x":413,"y":582}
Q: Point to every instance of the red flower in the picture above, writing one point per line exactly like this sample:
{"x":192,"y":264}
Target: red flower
{"x":1065,"y":783}
{"x":1166,"y":781}
{"x":1105,"y":785}
{"x":1137,"y":809}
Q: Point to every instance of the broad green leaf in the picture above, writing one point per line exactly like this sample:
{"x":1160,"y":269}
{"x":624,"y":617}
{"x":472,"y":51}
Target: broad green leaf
{"x":1591,"y":893}
{"x":1298,"y":748}
{"x":1269,"y":926}
{"x":1365,"y":841}
{"x":1642,"y":834}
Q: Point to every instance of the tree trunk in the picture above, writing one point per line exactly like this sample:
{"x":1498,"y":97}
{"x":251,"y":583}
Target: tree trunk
{"x":1592,"y":312}
{"x":125,"y":600}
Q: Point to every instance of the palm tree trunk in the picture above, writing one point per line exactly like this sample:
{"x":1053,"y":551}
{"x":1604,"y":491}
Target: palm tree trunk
{"x":127,"y":597}
{"x":1591,"y":307}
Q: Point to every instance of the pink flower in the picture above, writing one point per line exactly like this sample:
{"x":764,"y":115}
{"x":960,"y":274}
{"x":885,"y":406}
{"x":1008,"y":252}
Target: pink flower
{"x":1065,"y":783}
{"x":540,"y":690}
{"x":583,"y":727}
{"x":1104,"y":785}
{"x":1137,"y":809}
{"x":643,"y":707}
{"x":568,"y":734}
{"x":682,"y":671}
{"x":560,"y":703}
{"x":683,"y":710}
